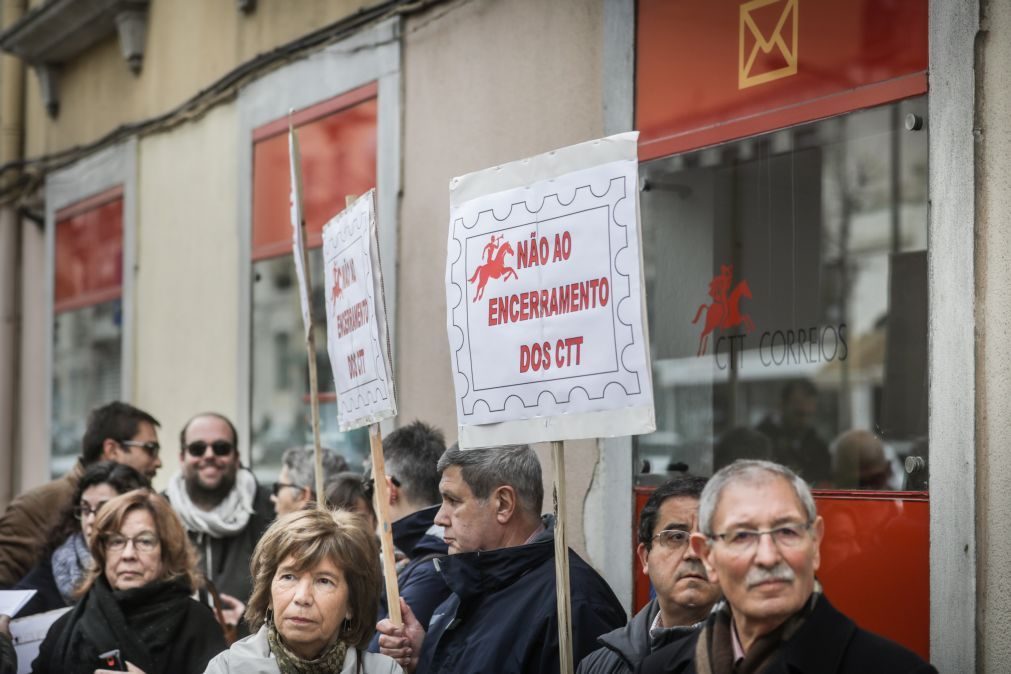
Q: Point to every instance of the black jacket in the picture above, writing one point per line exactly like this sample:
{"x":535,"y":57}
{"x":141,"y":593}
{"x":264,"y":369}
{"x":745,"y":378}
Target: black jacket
{"x":502,"y":617}
{"x":827,"y":643}
{"x":624,"y":648}
{"x":157,"y":627}
{"x":420,"y":584}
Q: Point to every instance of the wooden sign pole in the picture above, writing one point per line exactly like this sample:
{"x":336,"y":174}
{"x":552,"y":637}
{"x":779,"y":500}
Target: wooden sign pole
{"x":386,"y":532}
{"x":562,"y":588}
{"x":310,"y":345}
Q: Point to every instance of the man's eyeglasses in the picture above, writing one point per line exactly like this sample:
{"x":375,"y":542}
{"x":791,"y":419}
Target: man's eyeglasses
{"x":369,"y":485}
{"x":743,"y":541}
{"x":197,"y":448}
{"x":152,"y":448}
{"x":83,"y":510}
{"x":278,"y":486}
{"x":143,"y":542}
{"x":673,"y":539}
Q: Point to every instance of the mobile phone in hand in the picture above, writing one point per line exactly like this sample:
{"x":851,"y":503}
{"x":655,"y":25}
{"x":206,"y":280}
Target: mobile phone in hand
{"x":112,"y":660}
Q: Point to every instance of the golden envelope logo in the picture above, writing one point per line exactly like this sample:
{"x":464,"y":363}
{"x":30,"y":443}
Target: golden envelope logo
{"x":767,"y":43}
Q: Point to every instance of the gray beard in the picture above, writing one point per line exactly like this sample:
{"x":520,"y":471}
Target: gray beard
{"x":208,"y":498}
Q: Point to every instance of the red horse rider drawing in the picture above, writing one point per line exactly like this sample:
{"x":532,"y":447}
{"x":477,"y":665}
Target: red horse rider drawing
{"x":494,"y":266}
{"x":724,"y":312}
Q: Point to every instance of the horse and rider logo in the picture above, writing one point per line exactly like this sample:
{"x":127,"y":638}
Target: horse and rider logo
{"x":494,"y":266}
{"x":725,"y":311}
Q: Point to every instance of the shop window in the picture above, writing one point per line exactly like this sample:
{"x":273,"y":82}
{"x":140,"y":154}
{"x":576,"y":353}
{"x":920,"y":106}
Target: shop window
{"x":87,"y":321}
{"x":786,"y":279}
{"x":337,"y":139}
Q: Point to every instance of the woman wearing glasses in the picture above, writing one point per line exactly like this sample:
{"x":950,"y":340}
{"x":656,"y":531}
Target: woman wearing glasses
{"x":66,"y":558}
{"x":135,"y":603}
{"x":316,"y":584}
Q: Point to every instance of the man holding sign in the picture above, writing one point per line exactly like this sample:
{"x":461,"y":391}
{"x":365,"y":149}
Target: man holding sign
{"x":502,"y":615}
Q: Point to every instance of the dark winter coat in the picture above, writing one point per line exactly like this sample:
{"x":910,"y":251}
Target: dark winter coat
{"x":502,"y":617}
{"x":421,"y":585}
{"x":624,"y":648}
{"x":157,"y":627}
{"x":827,"y":643}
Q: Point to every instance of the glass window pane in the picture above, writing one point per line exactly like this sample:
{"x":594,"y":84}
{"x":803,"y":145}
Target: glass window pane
{"x":787,"y":300}
{"x":281,"y":415}
{"x":87,"y":346}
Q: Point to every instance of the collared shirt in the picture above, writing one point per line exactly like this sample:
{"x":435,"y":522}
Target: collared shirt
{"x":538,"y":531}
{"x":657,"y":629}
{"x":736,"y":641}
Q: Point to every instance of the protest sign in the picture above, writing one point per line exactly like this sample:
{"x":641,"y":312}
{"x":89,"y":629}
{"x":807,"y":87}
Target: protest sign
{"x":357,"y":339}
{"x":545,"y":298}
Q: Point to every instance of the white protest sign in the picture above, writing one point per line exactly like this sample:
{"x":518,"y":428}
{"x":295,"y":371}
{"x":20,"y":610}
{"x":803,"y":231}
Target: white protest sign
{"x":297,"y":235}
{"x":545,"y":298}
{"x":357,"y":338}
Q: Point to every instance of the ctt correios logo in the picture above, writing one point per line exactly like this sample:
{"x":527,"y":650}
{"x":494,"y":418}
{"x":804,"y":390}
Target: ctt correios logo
{"x":725,"y":310}
{"x":815,"y":344}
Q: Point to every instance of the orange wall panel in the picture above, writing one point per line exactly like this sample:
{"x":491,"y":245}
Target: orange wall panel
{"x":89,"y":251}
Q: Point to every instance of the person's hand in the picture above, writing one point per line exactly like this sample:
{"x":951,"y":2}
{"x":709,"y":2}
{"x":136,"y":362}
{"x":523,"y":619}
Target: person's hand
{"x":5,"y":626}
{"x":130,"y":667}
{"x":231,"y":609}
{"x":403,"y":644}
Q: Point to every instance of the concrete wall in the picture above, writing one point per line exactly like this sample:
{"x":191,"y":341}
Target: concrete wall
{"x":485,"y":83}
{"x":190,"y":44}
{"x":187,"y":276}
{"x":993,"y":348}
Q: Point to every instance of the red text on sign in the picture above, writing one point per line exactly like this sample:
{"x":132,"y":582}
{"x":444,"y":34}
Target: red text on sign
{"x":537,"y":356}
{"x":356,"y":364}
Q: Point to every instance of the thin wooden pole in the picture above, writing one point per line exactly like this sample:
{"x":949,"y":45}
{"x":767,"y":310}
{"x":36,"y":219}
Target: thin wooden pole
{"x":386,"y":532}
{"x":562,"y":591}
{"x":310,"y":346}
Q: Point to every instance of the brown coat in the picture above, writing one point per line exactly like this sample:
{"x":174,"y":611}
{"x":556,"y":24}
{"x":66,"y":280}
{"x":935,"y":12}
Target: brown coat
{"x":29,"y":520}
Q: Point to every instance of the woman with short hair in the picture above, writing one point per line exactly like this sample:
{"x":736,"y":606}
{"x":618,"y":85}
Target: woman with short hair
{"x":136,"y":599}
{"x":316,"y":585}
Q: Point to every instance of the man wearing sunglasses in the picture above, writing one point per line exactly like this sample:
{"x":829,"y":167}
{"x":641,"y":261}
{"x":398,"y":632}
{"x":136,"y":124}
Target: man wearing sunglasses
{"x":759,"y":538}
{"x":115,"y":432}
{"x":684,"y":593}
{"x":224,"y":509}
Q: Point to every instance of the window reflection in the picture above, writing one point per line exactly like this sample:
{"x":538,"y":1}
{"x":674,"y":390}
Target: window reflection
{"x":787,"y":302}
{"x":281,"y":415}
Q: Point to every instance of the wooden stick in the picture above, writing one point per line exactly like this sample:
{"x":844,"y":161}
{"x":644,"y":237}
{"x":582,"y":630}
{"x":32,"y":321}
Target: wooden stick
{"x":382,"y":500}
{"x":310,"y":345}
{"x":562,"y":591}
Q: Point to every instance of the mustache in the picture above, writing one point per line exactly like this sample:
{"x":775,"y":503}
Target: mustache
{"x":691,"y":567}
{"x":757,"y":575}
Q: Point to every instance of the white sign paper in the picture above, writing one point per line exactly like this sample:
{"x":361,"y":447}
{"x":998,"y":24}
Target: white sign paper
{"x":545,"y":298}
{"x":297,"y":237}
{"x":12,"y":601}
{"x":29,"y":633}
{"x":357,"y":338}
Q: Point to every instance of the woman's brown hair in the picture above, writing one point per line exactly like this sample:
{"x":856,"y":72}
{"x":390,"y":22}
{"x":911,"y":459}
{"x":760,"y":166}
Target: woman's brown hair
{"x":178,"y":558}
{"x":310,"y":536}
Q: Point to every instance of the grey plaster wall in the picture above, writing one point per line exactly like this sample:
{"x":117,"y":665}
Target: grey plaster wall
{"x":993,"y":349}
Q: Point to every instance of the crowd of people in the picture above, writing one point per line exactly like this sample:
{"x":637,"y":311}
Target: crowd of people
{"x":221,"y":574}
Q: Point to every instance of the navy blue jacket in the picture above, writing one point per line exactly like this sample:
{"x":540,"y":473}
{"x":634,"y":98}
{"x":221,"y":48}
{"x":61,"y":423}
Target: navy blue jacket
{"x":827,"y":643}
{"x":502,"y":616}
{"x":420,"y":584}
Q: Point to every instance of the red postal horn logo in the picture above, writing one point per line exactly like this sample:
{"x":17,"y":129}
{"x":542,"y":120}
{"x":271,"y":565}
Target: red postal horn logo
{"x":494,"y":266}
{"x":724,"y":312}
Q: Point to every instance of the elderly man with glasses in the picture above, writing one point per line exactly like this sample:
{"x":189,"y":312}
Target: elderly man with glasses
{"x":760,"y":538}
{"x":684,"y":593}
{"x":222,"y":507}
{"x":296,"y":483}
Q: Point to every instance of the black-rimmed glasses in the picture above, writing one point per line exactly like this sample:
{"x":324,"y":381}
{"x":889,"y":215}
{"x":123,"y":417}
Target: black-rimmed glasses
{"x":278,"y":486}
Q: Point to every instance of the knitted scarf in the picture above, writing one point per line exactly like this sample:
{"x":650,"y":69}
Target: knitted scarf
{"x":69,"y":562}
{"x":714,"y":651}
{"x":227,"y":519}
{"x":331,"y":660}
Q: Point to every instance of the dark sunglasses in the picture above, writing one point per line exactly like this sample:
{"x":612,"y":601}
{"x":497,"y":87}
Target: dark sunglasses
{"x":219,"y":447}
{"x":152,"y":448}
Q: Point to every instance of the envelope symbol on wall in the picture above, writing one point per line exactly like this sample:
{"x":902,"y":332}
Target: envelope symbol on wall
{"x":781,"y":42}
